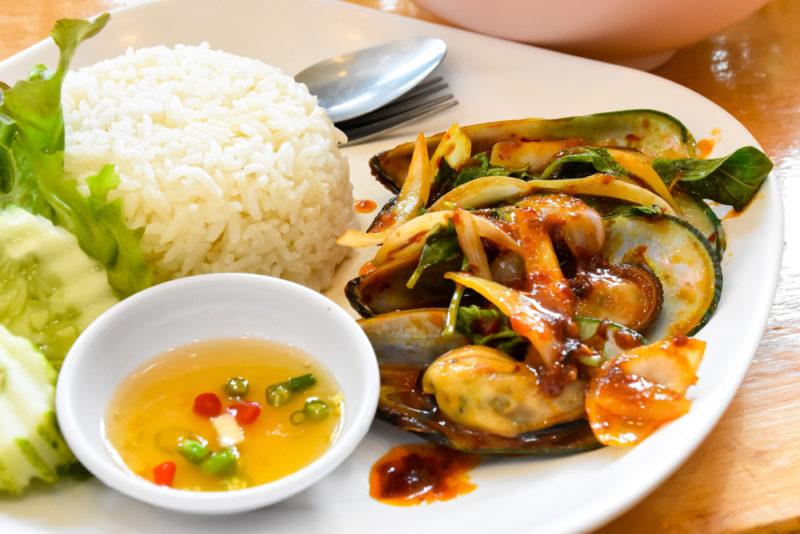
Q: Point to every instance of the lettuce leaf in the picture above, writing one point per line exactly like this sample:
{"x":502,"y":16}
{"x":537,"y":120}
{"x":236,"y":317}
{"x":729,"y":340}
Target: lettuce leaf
{"x":732,"y":180}
{"x":32,"y":167}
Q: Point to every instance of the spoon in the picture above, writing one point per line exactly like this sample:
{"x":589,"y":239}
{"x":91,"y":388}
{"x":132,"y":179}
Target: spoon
{"x":353,"y":84}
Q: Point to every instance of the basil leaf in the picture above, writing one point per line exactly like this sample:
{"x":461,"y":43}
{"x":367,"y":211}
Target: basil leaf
{"x":440,"y":246}
{"x":648,"y":211}
{"x":732,"y":180}
{"x":488,"y":326}
{"x":32,"y":167}
{"x":589,"y":160}
{"x":480,"y":170}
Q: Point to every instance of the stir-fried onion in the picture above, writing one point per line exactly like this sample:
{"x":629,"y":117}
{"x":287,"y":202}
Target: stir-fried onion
{"x":470,"y":242}
{"x":411,"y":199}
{"x":491,"y":190}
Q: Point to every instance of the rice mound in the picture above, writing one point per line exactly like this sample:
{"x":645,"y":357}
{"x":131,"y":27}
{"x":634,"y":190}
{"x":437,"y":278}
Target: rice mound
{"x":227,"y":163}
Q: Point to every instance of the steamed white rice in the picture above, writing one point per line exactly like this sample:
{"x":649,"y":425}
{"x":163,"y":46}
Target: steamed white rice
{"x":227,"y":163}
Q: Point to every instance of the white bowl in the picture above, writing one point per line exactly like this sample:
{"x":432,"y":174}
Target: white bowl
{"x":638,"y":33}
{"x":207,"y":307}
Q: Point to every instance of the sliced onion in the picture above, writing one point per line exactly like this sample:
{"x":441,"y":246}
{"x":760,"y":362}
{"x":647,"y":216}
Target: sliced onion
{"x":489,"y":230}
{"x":634,"y":394}
{"x":455,"y":147}
{"x":412,"y":197}
{"x":638,"y":165}
{"x":409,"y":238}
{"x":470,"y":242}
{"x":603,"y":185}
{"x":528,"y":317}
{"x":482,"y":192}
{"x":491,"y":190}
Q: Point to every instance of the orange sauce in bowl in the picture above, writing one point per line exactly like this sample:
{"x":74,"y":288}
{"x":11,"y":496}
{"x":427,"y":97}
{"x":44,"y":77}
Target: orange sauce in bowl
{"x":153,"y":410}
{"x":421,"y":473}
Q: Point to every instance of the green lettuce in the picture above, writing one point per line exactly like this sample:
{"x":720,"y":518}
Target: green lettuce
{"x":732,"y":180}
{"x":32,"y":167}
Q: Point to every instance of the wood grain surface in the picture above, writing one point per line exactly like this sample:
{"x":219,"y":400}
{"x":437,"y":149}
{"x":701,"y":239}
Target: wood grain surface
{"x":746,"y":475}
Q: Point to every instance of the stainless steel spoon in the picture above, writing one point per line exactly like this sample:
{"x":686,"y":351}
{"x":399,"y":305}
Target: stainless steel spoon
{"x":354,"y":84}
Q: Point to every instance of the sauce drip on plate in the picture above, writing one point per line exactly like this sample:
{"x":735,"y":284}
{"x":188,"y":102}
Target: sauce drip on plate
{"x":364,"y":206}
{"x":731,"y":215}
{"x":421,"y":473}
{"x":704,"y":147}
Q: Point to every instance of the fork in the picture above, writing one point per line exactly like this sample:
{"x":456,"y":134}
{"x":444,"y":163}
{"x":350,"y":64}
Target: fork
{"x":425,"y":99}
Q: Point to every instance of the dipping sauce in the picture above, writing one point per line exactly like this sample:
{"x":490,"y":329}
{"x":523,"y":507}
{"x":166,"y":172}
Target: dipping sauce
{"x":421,"y":473}
{"x":224,"y":414}
{"x":364,"y":206}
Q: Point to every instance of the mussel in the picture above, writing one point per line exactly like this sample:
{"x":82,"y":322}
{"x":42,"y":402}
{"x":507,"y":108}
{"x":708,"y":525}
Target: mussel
{"x":384,"y":289}
{"x":627,"y":294}
{"x":406,"y":344}
{"x":655,"y":134}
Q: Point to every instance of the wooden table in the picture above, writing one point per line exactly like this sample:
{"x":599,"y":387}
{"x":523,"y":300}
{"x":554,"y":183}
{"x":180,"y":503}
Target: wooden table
{"x":747,"y":473}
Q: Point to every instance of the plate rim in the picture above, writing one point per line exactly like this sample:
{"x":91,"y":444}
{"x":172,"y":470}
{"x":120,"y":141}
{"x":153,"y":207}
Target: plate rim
{"x":601,"y":512}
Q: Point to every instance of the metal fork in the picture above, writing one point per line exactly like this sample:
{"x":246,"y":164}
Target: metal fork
{"x":425,"y":99}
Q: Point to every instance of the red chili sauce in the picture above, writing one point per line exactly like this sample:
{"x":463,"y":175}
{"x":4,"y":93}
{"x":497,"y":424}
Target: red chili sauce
{"x":408,"y":475}
{"x":364,"y":206}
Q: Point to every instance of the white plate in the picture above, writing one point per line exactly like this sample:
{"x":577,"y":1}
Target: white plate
{"x":492,"y":79}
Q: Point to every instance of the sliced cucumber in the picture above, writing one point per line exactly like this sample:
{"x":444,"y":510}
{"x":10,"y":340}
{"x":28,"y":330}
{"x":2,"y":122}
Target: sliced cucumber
{"x":610,"y":340}
{"x":700,"y":215}
{"x":682,"y":259}
{"x":50,"y":290}
{"x":30,"y":443}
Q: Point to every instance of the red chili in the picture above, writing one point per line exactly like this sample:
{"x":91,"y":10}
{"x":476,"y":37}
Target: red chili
{"x":245,"y":412}
{"x":164,"y":473}
{"x":207,"y":405}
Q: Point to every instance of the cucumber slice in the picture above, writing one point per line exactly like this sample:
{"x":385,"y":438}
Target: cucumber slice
{"x":700,"y":215}
{"x":611,"y":339}
{"x":30,"y":443}
{"x":682,"y":259}
{"x":50,"y":290}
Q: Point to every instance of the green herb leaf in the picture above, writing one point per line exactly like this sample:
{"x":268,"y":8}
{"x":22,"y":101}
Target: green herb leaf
{"x":440,"y":246}
{"x":32,"y":168}
{"x":632,"y":210}
{"x":488,"y":326}
{"x":596,"y":159}
{"x":732,"y":180}
{"x":480,"y":170}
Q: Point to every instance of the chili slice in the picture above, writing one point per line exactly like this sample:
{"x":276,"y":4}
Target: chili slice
{"x":163,"y":474}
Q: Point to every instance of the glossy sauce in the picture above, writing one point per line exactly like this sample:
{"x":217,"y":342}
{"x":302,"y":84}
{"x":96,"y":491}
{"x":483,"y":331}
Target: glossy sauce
{"x":364,"y":206}
{"x":704,"y":147}
{"x":731,"y":215}
{"x":367,"y":268}
{"x":154,"y":405}
{"x":421,"y":473}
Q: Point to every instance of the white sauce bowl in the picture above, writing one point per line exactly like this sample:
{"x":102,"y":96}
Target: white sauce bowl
{"x":212,"y":306}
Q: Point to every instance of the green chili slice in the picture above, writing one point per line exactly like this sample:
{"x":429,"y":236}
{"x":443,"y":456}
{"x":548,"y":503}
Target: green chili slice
{"x":222,"y":462}
{"x":193,"y":450}
{"x":281,"y":393}
{"x":278,"y":394}
{"x":316,"y":409}
{"x":299,"y":383}
{"x":236,"y":387}
{"x":298,"y":417}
